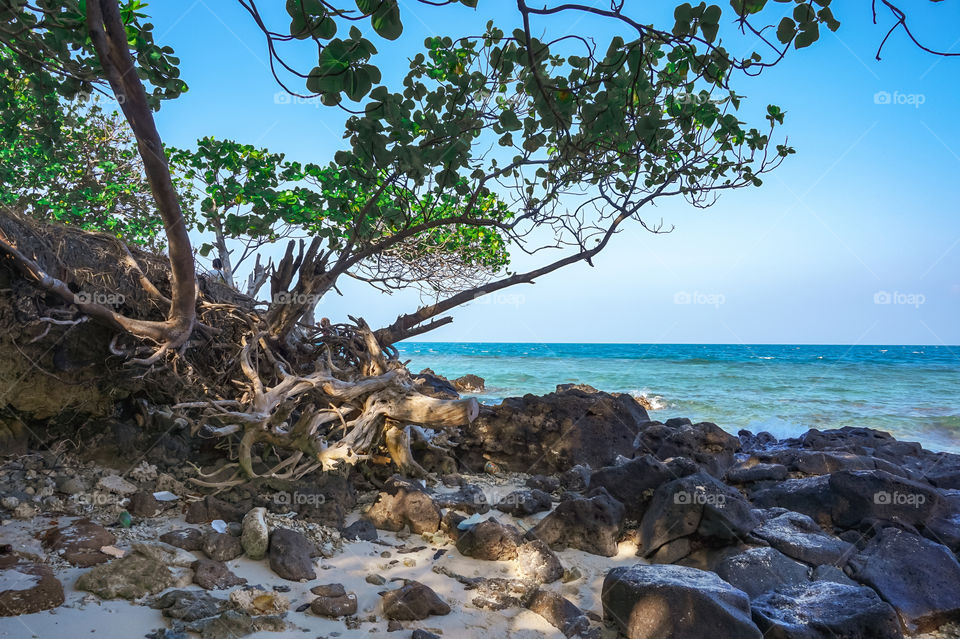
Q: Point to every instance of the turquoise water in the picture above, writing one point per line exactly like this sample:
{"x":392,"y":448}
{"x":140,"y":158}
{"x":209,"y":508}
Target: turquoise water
{"x":910,"y":391}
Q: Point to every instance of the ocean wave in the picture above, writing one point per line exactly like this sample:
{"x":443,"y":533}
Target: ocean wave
{"x":656,"y":402}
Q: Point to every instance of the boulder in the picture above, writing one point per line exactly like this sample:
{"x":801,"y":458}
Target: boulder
{"x":553,"y":433}
{"x":186,"y":538}
{"x":536,"y":562}
{"x":404,"y":504}
{"x":214,"y":575}
{"x":523,"y":503}
{"x":190,"y":605}
{"x":825,"y":610}
{"x":26,"y":588}
{"x":411,"y":602}
{"x":752,"y":471}
{"x":334,"y":605}
{"x":428,"y":383}
{"x":798,"y":536}
{"x":654,"y":602}
{"x":589,"y":524}
{"x":222,"y":546}
{"x":759,"y":570}
{"x":918,"y":577}
{"x":560,"y":612}
{"x":634,"y":482}
{"x":469,"y":499}
{"x":546,"y":483}
{"x":809,"y":495}
{"x":79,"y":543}
{"x":144,"y":504}
{"x":711,"y":447}
{"x":130,"y":577}
{"x":469,"y":384}
{"x":291,"y":555}
{"x":490,"y":540}
{"x":861,"y":496}
{"x":360,"y":530}
{"x":210,"y":508}
{"x":255,"y":538}
{"x":698,"y":504}
{"x":326,"y":499}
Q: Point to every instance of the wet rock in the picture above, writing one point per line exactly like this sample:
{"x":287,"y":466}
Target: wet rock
{"x":633,"y":482}
{"x":652,"y":602}
{"x":186,"y":538}
{"x":867,"y":496}
{"x":711,"y":447}
{"x":560,"y":612}
{"x":798,"y":536}
{"x":759,"y":570}
{"x":360,"y":530}
{"x":411,"y":602}
{"x":130,"y":577}
{"x":214,"y":575}
{"x":255,"y":538}
{"x":79,"y":543}
{"x":553,"y":433}
{"x":26,"y":588}
{"x":202,"y":512}
{"x":401,"y":504}
{"x":825,"y":610}
{"x":469,"y":499}
{"x":545,"y":483}
{"x":523,"y":503}
{"x":536,"y":562}
{"x":697,"y":504}
{"x":144,"y":504}
{"x":490,"y":540}
{"x":915,"y":575}
{"x":469,"y":384}
{"x":589,"y":524}
{"x":221,"y":546}
{"x":291,"y":555}
{"x":334,"y":606}
{"x":117,"y":485}
{"x":190,"y":605}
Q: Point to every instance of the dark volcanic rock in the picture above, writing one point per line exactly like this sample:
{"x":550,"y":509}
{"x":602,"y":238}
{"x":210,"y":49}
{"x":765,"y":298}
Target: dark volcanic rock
{"x":759,"y":570}
{"x":362,"y":530}
{"x":325,"y":500}
{"x":428,"y":383}
{"x":588,"y":524}
{"x":576,"y":479}
{"x":705,"y":443}
{"x":290,"y":555}
{"x":553,"y":433}
{"x":411,"y":602}
{"x":695,"y":504}
{"x":545,"y":483}
{"x":469,"y":499}
{"x":79,"y":543}
{"x":26,"y":588}
{"x":871,"y":495}
{"x":751,"y":472}
{"x":560,"y":612}
{"x":214,"y":575}
{"x":522,"y":503}
{"x":633,"y":483}
{"x":221,"y":546}
{"x":809,"y":495}
{"x":403,"y":503}
{"x":917,"y":576}
{"x":825,"y":610}
{"x":469,"y":384}
{"x":186,"y":538}
{"x":334,"y":605}
{"x":201,"y":512}
{"x":798,"y":536}
{"x":190,"y":605}
{"x":490,"y":540}
{"x":654,"y":602}
{"x":144,"y":504}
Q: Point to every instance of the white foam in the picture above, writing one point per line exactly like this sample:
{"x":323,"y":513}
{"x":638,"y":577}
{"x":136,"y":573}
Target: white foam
{"x":656,"y":402}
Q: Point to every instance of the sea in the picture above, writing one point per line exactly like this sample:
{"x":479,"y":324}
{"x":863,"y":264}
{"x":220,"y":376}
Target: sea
{"x":913,"y":392}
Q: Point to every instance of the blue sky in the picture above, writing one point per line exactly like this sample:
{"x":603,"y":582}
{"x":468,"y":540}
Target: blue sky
{"x":854,"y":240}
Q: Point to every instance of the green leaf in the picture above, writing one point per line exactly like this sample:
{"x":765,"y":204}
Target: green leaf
{"x":786,"y":30}
{"x":386,"y":20}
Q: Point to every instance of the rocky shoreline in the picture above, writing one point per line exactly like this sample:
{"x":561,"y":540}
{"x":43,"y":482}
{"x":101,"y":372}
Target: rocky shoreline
{"x":567,"y":515}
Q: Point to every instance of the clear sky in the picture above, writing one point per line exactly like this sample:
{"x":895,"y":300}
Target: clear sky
{"x":854,"y":240}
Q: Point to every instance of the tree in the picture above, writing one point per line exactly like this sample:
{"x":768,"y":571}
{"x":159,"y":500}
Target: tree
{"x":500,"y":140}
